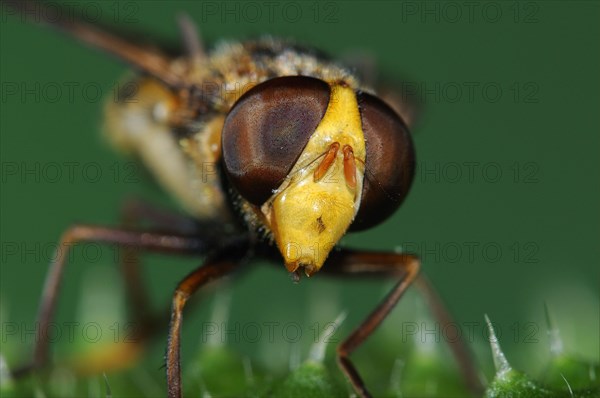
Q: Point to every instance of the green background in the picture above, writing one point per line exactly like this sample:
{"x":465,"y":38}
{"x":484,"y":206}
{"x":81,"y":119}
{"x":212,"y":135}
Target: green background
{"x":541,"y":131}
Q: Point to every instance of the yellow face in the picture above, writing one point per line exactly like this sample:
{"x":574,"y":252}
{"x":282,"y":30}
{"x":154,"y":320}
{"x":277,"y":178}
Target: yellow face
{"x":310,"y":212}
{"x":310,"y":163}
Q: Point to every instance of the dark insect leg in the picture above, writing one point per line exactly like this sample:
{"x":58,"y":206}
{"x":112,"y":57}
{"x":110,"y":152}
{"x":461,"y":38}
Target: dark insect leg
{"x":405,"y":267}
{"x":84,"y":233}
{"x":461,"y":354}
{"x":133,"y":214}
{"x":219,"y":265}
{"x":135,"y":211}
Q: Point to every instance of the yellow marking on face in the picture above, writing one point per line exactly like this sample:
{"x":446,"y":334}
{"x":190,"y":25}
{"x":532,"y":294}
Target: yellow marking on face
{"x":308,"y":216}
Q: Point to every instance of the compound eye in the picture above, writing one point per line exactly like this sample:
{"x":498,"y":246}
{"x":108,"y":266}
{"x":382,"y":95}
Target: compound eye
{"x":389,"y":164}
{"x":266,"y":131}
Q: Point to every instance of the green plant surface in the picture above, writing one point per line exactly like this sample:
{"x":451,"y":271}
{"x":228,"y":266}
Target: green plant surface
{"x":310,"y":380}
{"x":218,"y":370}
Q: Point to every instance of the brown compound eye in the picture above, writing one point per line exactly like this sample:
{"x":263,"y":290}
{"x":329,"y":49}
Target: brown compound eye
{"x":389,"y":164}
{"x":266,"y":131}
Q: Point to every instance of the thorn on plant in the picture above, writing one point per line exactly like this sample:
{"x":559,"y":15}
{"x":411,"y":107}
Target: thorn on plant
{"x":6,"y":380}
{"x":568,"y":385}
{"x":556,"y":343}
{"x":317,"y":351}
{"x":107,"y":385}
{"x":500,"y":362}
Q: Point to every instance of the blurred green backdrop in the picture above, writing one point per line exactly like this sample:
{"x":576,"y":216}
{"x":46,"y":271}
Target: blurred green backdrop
{"x":505,"y":205}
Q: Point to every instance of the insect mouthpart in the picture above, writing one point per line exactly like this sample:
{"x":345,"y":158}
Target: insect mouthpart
{"x":296,"y":268}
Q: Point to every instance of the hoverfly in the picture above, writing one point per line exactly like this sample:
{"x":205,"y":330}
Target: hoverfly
{"x":274,"y":152}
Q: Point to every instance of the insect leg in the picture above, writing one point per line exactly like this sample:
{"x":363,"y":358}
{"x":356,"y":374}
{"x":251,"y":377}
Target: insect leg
{"x":216,"y":266}
{"x":461,"y":354}
{"x":405,"y":267}
{"x":134,"y":213}
{"x":85,"y":233}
